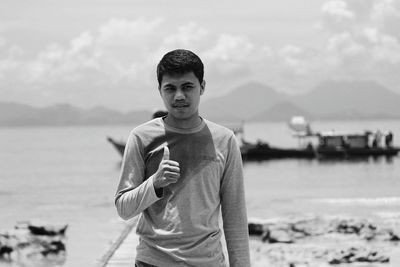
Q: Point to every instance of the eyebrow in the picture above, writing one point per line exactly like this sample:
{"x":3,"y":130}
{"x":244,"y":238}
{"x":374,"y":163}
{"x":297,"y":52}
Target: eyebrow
{"x":187,"y":83}
{"x":168,"y":85}
{"x":183,"y":84}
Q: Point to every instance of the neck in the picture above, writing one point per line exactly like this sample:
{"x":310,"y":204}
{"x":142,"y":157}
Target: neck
{"x":188,"y":123}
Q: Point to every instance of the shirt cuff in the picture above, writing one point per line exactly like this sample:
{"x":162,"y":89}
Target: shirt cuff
{"x":152,"y":189}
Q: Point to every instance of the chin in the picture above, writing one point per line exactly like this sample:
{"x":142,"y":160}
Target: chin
{"x":182,"y":116}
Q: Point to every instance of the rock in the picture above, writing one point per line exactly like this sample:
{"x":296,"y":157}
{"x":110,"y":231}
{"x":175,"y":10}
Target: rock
{"x":298,"y":264}
{"x":31,"y":240}
{"x":312,"y":227}
{"x":5,"y":247}
{"x":350,"y":226}
{"x":314,"y":242}
{"x":5,"y":251}
{"x":265,"y":236}
{"x":40,"y":228}
{"x":255,"y":229}
{"x":272,"y":233}
{"x":280,"y":236}
{"x":352,"y":255}
{"x":386,"y":235}
{"x":394,"y":237}
{"x":54,"y":247}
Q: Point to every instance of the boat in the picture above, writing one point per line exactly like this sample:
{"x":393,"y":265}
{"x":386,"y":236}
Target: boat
{"x":350,"y":145}
{"x":334,"y":144}
{"x":331,"y":145}
{"x":261,"y":151}
{"x":327,"y":148}
{"x":250,"y":151}
{"x":118,"y":145}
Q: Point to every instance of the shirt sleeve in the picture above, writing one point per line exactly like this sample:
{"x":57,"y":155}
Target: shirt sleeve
{"x":233,"y":207}
{"x":134,"y":193}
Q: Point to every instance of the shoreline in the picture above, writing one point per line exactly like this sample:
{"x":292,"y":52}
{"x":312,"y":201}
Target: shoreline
{"x":319,"y":240}
{"x":323,"y":241}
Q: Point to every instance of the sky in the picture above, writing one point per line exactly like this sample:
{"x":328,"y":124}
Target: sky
{"x":104,"y":52}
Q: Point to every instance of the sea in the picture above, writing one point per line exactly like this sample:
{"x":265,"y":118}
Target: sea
{"x":69,"y":175}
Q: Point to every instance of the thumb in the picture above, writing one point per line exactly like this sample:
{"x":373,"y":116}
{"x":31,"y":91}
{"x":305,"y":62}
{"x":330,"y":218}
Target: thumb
{"x":166,"y":153}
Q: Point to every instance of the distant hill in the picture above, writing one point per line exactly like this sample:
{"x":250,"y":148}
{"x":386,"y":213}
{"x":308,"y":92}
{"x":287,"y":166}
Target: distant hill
{"x":14,"y":114}
{"x":242,"y":103}
{"x":328,"y":100}
{"x":281,"y":111}
{"x":252,"y":101}
{"x":350,"y":99}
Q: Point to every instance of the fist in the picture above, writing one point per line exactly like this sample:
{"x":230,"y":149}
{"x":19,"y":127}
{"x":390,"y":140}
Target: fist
{"x":168,"y":171}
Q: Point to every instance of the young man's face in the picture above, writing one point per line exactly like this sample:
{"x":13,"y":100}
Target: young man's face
{"x":181,"y":95}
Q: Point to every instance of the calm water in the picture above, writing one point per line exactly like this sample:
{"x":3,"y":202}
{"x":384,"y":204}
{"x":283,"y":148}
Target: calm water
{"x":69,"y":175}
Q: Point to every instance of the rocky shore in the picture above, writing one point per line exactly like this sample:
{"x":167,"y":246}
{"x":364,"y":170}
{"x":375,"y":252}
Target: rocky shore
{"x":286,"y":242}
{"x":318,"y":242}
{"x":32,"y":242}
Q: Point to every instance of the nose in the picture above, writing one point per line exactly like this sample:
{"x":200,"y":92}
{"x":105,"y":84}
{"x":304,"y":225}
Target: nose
{"x":179,"y":95}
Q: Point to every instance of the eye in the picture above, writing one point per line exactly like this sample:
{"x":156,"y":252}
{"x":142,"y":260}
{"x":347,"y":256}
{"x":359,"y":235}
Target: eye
{"x":187,"y":87}
{"x":169,"y":89}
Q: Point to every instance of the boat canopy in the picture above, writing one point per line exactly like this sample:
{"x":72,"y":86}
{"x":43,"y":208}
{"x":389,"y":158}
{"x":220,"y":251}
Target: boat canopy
{"x":300,"y":125}
{"x":334,"y":139}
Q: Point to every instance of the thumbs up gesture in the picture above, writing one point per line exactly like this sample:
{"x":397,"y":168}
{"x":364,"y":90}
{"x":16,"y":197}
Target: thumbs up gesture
{"x":168,"y":171}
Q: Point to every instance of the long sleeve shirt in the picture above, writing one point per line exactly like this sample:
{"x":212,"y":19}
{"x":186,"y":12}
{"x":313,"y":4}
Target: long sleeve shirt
{"x":181,"y":228}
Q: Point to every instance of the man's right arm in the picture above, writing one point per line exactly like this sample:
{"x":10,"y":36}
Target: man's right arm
{"x":133,"y":193}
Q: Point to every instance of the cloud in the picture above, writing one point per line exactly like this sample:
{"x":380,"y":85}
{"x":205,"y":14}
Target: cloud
{"x":187,"y":36}
{"x":93,"y":63}
{"x":2,"y":41}
{"x":229,"y":56}
{"x":82,"y":42}
{"x":291,"y":56}
{"x":337,"y":10}
{"x":344,"y":44}
{"x":336,"y":16}
{"x":385,"y":9}
{"x":386,"y":16}
{"x":119,"y":59}
{"x":230,"y":48}
{"x":10,"y":64}
{"x":361,"y":39}
{"x":114,"y":64}
{"x":116,"y":51}
{"x":234,"y":59}
{"x":386,"y":48}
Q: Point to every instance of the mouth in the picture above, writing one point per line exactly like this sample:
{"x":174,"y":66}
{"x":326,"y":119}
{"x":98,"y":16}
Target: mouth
{"x":180,"y":105}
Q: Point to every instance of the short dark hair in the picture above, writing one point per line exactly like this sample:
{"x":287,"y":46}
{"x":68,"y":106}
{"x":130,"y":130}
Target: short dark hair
{"x":180,"y":61}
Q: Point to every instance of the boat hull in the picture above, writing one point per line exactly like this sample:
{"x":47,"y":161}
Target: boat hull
{"x":264,"y":152}
{"x":260,"y":152}
{"x":357,"y":152}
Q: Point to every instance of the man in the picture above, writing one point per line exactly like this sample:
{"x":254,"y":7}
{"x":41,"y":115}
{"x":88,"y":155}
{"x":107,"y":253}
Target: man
{"x":178,"y":172}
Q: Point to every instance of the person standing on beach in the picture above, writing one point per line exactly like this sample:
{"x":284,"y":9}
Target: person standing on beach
{"x":180,"y":172}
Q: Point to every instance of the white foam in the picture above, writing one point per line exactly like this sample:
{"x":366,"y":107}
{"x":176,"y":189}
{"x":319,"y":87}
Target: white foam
{"x":380,"y":201}
{"x":389,"y":215}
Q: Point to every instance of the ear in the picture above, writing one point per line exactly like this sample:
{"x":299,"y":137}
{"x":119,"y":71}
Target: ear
{"x":202,"y":87}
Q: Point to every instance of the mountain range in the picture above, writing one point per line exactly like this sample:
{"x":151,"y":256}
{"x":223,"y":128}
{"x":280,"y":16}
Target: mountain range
{"x":14,"y":114}
{"x":329,"y":100}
